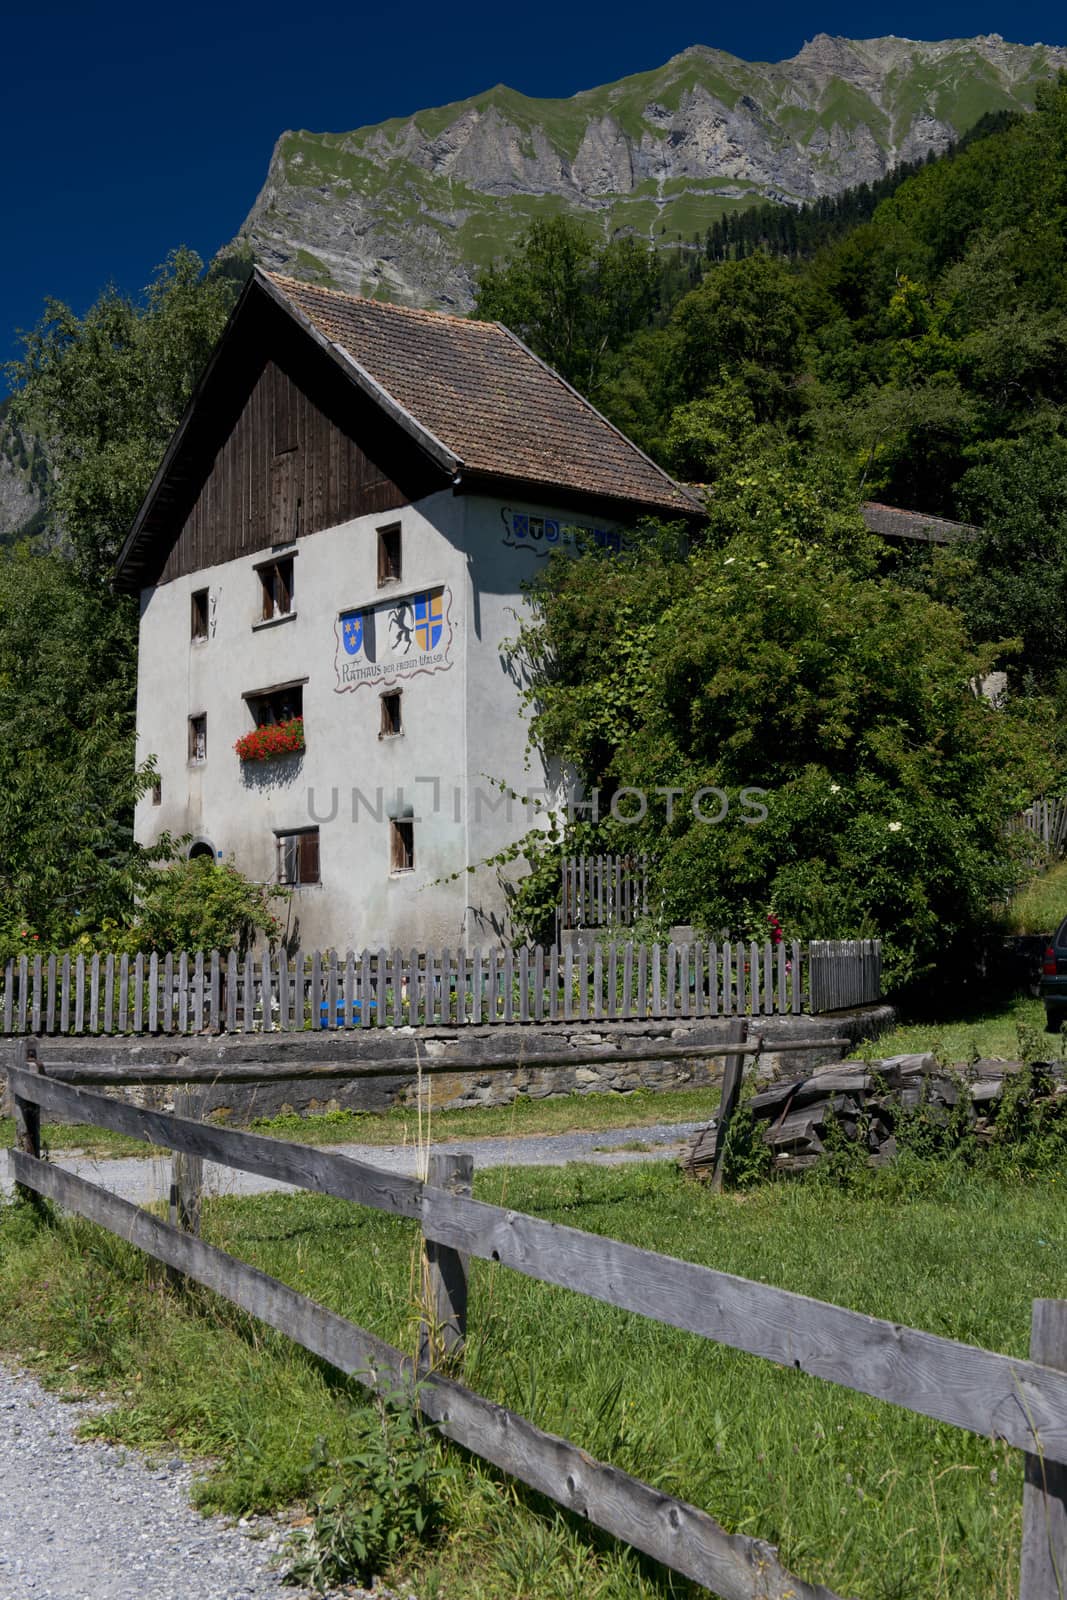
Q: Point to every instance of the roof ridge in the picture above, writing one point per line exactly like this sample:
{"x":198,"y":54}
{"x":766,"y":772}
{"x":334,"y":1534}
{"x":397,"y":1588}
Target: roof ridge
{"x":283,"y":278}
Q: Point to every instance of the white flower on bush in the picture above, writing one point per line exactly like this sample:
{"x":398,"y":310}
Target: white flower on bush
{"x":835,"y":788}
{"x":895,"y":827}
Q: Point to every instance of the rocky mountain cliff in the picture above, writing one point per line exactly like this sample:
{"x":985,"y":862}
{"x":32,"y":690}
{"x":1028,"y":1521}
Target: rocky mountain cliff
{"x":411,"y":208}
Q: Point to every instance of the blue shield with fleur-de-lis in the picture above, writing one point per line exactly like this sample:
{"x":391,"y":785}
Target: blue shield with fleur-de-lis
{"x":352,"y":632}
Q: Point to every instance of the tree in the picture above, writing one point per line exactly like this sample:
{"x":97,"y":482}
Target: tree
{"x":774,"y":657}
{"x":745,"y":319}
{"x":571,"y":300}
{"x":106,"y":392}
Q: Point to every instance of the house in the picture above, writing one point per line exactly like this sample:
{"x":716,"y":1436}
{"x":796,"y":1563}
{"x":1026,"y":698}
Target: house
{"x":330,"y":563}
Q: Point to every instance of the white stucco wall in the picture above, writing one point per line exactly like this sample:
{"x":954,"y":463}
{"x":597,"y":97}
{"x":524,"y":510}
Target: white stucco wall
{"x":461,"y":726}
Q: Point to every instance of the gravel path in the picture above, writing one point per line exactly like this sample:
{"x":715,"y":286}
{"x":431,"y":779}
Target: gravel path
{"x":93,"y":1521}
{"x":144,"y":1179}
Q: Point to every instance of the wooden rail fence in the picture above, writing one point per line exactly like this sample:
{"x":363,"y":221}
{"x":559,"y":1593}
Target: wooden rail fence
{"x":1021,"y":1401}
{"x":217,"y":991}
{"x":1046,"y":821}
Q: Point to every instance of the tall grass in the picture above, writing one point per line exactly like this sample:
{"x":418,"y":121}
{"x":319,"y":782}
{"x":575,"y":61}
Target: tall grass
{"x":868,"y":1499}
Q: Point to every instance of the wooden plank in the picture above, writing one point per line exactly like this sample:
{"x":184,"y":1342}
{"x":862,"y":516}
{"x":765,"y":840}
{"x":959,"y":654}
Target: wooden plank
{"x":79,"y":994}
{"x":167,"y":1009}
{"x":446,"y":985}
{"x":109,"y":994}
{"x":1044,"y":1548}
{"x":713,"y":979}
{"x":733,"y":1077}
{"x":216,"y":992}
{"x":628,"y":979}
{"x":366,"y":968}
{"x":312,"y":1064}
{"x":198,"y":992}
{"x":94,"y":994}
{"x":50,"y":1007}
{"x":539,"y":983}
{"x":612,"y":980}
{"x":683,"y":979}
{"x":124,"y":994}
{"x":186,"y":1173}
{"x":754,"y":977}
{"x":657,"y":989}
{"x":670,"y":987}
{"x":303,"y":1165}
{"x":331,"y":989}
{"x":38,"y":995}
{"x":183,"y":992}
{"x":679,"y":1535}
{"x":491,"y":1013}
{"x":285,"y":993}
{"x":231,"y":992}
{"x":509,"y":981}
{"x":598,"y":981}
{"x":642,"y":982}
{"x":348,"y":989}
{"x":767,"y":1006}
{"x":9,"y":995}
{"x":443,"y":1326}
{"x":794,"y":975}
{"x":429,"y":994}
{"x":979,"y":1390}
{"x":583,"y":983}
{"x":568,"y":983}
{"x":153,"y":990}
{"x":248,"y":995}
{"x":27,"y":1112}
{"x":524,"y":984}
{"x":398,"y":988}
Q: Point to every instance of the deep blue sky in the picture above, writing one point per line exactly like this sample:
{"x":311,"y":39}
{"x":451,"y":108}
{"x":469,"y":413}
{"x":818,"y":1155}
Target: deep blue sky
{"x":128,"y":130}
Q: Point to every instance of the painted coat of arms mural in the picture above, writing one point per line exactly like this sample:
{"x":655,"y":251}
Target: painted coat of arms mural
{"x":397,"y":638}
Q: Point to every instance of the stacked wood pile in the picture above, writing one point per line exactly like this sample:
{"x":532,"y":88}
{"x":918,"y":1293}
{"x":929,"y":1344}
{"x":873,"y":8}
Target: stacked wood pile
{"x":865,"y":1099}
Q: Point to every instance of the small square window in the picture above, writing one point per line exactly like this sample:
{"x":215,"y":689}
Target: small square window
{"x":198,"y":738}
{"x":388,"y":554}
{"x":157,"y":791}
{"x":391,"y":723}
{"x":402,"y":843}
{"x":198,"y":626}
{"x":277,"y":705}
{"x":276,"y":583}
{"x":298,"y":856}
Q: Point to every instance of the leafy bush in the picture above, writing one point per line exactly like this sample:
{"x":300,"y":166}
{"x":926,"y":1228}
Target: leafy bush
{"x":373,"y":1502}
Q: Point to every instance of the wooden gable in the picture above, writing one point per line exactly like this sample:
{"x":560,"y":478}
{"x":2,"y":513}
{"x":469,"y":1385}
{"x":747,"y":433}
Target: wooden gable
{"x":279,"y":445}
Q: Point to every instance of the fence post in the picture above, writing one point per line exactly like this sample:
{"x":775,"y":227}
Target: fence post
{"x":27,"y":1115}
{"x":1044,"y":1554}
{"x":186,"y":1172}
{"x":731,"y":1094}
{"x":443,"y":1329}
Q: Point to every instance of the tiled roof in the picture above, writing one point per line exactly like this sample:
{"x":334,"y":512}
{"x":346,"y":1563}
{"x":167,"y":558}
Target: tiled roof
{"x":895,"y":523}
{"x":493,"y":405}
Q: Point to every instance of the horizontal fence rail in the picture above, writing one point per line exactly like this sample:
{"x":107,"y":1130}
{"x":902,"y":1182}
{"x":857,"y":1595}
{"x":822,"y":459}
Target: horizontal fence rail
{"x":219,"y":992}
{"x":1023,"y":1402}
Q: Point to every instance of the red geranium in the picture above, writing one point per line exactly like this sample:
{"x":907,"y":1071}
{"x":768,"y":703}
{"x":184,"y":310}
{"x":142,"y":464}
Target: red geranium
{"x":271,"y":740}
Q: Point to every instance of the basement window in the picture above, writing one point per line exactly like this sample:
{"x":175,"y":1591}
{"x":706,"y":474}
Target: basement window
{"x":389,"y":554}
{"x":276,"y":585}
{"x":402,"y":845}
{"x":198,"y":621}
{"x":298,"y":857}
{"x":198,"y":738}
{"x":391,"y":722}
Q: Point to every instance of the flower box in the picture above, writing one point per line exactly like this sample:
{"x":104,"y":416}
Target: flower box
{"x":272,"y":740}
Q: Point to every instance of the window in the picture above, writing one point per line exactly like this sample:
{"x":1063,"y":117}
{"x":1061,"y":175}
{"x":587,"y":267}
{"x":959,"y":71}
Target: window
{"x":198,"y":738}
{"x":157,"y":791}
{"x":276,"y":582}
{"x":402,"y":841}
{"x":388,"y":554}
{"x":391,"y":724}
{"x":276,"y":705}
{"x":198,"y":628}
{"x":298,"y":856}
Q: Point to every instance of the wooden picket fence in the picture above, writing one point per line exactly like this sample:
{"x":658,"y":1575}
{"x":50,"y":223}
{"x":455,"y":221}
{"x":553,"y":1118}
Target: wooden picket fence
{"x":1045,"y":821}
{"x":1023,"y":1402}
{"x":843,"y":972}
{"x":195,"y":992}
{"x":603,"y":891}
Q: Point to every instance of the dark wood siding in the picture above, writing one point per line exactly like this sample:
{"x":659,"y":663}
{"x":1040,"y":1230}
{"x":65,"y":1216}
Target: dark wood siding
{"x":296,"y":449}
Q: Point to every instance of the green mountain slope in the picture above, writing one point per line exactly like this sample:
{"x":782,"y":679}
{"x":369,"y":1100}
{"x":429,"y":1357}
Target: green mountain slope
{"x":412,"y":207}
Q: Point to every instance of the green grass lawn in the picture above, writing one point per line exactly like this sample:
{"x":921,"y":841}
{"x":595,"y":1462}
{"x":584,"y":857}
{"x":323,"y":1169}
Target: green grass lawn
{"x":1010,"y":1029}
{"x":858,"y":1495}
{"x":1042,"y":905}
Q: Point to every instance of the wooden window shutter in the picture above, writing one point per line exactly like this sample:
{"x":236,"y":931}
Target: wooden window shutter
{"x":309,"y":857}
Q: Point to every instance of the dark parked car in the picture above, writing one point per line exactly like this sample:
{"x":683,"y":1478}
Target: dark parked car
{"x":1053,"y":988}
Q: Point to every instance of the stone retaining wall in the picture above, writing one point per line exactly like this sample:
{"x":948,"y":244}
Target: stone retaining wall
{"x":505,"y":1076}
